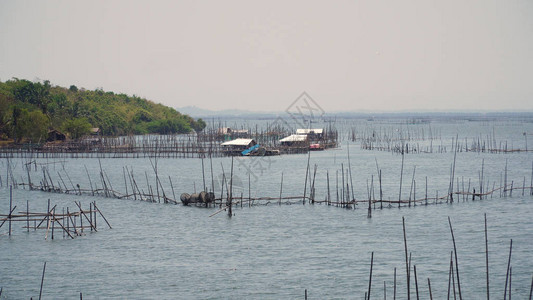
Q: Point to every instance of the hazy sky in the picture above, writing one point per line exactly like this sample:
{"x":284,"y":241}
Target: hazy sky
{"x":261,"y":55}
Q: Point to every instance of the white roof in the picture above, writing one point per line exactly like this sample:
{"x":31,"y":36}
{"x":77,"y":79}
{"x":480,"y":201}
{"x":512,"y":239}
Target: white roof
{"x":240,"y":130}
{"x":294,"y":138}
{"x":308,"y":131}
{"x":238,"y":142}
{"x":223,"y":130}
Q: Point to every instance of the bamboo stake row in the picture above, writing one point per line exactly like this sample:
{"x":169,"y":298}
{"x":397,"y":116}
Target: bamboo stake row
{"x":345,"y":196}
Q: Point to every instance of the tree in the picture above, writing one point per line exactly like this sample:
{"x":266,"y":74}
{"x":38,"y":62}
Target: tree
{"x":199,"y":125}
{"x":34,"y":93}
{"x":5,"y":115}
{"x":114,"y":114}
{"x":30,"y":125}
{"x":77,"y":128}
{"x":168,"y":126}
{"x":38,"y":126}
{"x":16,"y":130}
{"x":57,"y":103}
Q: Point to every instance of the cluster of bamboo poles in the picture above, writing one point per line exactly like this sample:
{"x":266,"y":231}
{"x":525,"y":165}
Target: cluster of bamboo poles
{"x":102,"y":186}
{"x":401,"y":140}
{"x":169,"y":146}
{"x":341,"y":195}
{"x":490,"y":145}
{"x":269,"y":135}
{"x":70,"y":222}
{"x":391,"y":134}
{"x":403,"y":146}
{"x":345,"y":194}
{"x":202,"y":144}
{"x":454,"y":279}
{"x":456,"y":190}
{"x":398,"y":142}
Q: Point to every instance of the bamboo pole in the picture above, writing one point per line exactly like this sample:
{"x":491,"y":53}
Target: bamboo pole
{"x":212,"y":178}
{"x":6,"y":219}
{"x":312,"y":193}
{"x":27,"y":216}
{"x":487,"y":257}
{"x":401,"y":177}
{"x":394,"y":291}
{"x":306,"y":174}
{"x":230,"y":190}
{"x":10,"y":206}
{"x":451,"y":185}
{"x":411,"y":188}
{"x":508,"y":270}
{"x":125,"y":182}
{"x":416,"y":282}
{"x":370,"y":277}
{"x":350,"y":170}
{"x":203,"y":174}
{"x":42,"y":281}
{"x":87,"y":218}
{"x":531,"y":289}
{"x":451,"y":277}
{"x":329,"y":193}
{"x":510,"y":281}
{"x":456,"y":262}
{"x":429,"y":288}
{"x":102,"y":215}
{"x":406,"y":260}
{"x":280,"y":189}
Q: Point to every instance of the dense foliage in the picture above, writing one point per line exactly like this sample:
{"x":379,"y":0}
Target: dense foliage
{"x":28,"y":110}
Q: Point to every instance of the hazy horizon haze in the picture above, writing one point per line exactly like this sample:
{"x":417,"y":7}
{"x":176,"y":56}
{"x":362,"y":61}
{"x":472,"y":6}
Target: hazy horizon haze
{"x":259,"y":56}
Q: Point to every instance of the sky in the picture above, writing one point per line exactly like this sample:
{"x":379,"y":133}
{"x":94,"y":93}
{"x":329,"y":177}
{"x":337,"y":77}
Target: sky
{"x":377,"y":55}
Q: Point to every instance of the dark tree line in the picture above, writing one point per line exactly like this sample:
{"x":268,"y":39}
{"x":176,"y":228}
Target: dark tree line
{"x":28,"y":110}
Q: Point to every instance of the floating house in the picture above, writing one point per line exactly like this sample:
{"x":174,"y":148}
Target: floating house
{"x":236,"y":146}
{"x":313,"y":134}
{"x":304,"y":140}
{"x":295,"y":140}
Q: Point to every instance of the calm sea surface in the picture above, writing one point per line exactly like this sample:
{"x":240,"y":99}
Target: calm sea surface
{"x":273,"y":251}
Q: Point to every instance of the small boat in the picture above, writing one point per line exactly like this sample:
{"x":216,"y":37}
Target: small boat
{"x":316,"y":147}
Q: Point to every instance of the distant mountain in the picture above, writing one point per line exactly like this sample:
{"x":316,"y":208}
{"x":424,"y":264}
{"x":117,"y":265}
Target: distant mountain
{"x":197,"y":112}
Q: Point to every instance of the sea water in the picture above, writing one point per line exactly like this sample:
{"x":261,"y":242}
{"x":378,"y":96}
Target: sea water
{"x":273,"y":251}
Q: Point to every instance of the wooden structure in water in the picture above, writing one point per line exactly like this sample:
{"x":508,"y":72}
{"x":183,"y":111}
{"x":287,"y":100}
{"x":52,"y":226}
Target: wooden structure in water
{"x":237,"y":146}
{"x":70,"y":223}
{"x":205,"y":144}
{"x":340,"y":194}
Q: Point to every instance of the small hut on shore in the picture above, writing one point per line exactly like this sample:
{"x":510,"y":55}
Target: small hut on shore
{"x":55,"y":135}
{"x":95,"y":131}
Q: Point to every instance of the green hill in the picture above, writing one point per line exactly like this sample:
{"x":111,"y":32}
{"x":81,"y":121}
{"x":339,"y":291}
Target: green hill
{"x":28,"y":110}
